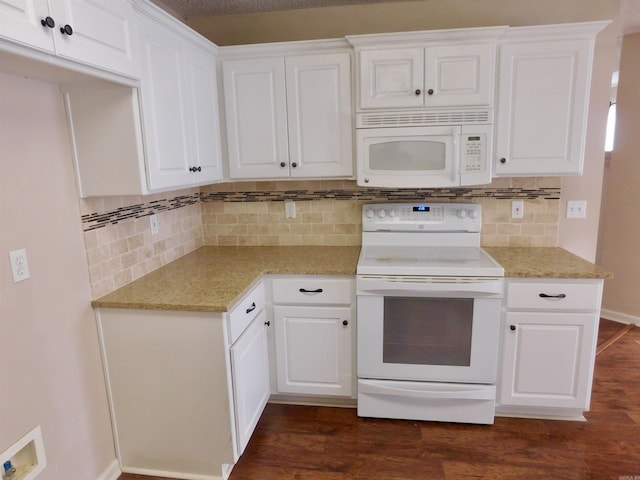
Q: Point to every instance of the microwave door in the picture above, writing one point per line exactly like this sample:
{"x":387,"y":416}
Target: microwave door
{"x":409,"y":158}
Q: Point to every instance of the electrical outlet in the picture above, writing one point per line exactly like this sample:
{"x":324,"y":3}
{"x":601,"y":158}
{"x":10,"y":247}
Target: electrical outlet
{"x":153,"y":220}
{"x":577,"y":209}
{"x":517,"y":209}
{"x":19,"y":265}
{"x":290,"y":209}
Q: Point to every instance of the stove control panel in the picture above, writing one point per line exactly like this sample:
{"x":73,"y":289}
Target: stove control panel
{"x":427,"y":217}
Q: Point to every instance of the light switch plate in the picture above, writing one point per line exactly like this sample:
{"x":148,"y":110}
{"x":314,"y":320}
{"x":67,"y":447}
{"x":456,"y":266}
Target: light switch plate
{"x":19,"y":265}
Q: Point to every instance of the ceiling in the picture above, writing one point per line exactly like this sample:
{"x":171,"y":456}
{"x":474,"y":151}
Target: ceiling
{"x":630,"y":9}
{"x":198,"y":8}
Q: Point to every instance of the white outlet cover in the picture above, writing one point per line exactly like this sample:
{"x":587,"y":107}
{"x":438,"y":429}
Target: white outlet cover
{"x":577,"y":209}
{"x":19,"y":265}
{"x":153,"y":221}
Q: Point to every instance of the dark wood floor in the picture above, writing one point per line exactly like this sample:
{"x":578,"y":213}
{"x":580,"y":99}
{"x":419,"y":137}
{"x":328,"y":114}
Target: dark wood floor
{"x":319,"y":443}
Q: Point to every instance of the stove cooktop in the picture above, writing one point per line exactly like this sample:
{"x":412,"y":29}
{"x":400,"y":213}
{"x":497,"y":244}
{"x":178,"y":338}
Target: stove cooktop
{"x":427,"y":261}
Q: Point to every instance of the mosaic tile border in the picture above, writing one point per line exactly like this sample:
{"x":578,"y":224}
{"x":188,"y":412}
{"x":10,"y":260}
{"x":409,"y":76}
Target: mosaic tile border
{"x":393,"y":195}
{"x":101,"y":219}
{"x":93,"y":221}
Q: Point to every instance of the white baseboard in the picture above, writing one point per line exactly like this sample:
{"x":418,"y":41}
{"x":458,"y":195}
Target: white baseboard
{"x":619,"y":317}
{"x":112,"y":472}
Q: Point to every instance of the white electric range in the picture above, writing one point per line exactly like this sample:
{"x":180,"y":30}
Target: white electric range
{"x":429,"y":301}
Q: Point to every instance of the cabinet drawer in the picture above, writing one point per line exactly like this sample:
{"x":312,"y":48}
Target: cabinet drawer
{"x":553,"y":296}
{"x":245,"y":311}
{"x":313,"y":290}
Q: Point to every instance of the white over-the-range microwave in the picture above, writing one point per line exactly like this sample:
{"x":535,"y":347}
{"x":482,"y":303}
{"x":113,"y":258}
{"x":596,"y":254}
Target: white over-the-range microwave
{"x":426,"y":149}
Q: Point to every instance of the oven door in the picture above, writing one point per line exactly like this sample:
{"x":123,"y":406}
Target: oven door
{"x":430,"y":331}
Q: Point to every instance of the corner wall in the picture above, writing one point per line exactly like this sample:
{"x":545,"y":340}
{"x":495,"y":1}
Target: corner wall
{"x":620,"y":225}
{"x":50,"y":365}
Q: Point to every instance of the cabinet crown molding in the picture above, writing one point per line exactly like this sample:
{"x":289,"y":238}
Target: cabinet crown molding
{"x":560,"y":30}
{"x":448,"y":36}
{"x":283,"y":48}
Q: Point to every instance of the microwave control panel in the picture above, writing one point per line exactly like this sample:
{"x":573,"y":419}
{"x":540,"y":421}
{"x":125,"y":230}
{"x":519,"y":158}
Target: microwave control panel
{"x":474,"y":152}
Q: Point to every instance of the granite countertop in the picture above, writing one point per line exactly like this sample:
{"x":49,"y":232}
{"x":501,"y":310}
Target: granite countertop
{"x":213,"y":279}
{"x":544,"y":262}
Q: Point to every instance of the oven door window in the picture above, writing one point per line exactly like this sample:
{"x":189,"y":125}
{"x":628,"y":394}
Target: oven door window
{"x":427,"y":331}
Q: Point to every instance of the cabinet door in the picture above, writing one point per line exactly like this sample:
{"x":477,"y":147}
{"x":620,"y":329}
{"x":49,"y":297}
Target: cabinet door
{"x":20,"y":20}
{"x":392,"y":78}
{"x":543,"y":93}
{"x":202,"y":114}
{"x":256,"y":114}
{"x":314,"y":350}
{"x":319,"y":115}
{"x":459,"y":75}
{"x":163,"y":107}
{"x":250,"y":367}
{"x":548,"y":359}
{"x":103,"y":33}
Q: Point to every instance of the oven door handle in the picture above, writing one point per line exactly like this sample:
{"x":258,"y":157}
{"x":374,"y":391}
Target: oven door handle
{"x":428,"y":286}
{"x":467,"y":393}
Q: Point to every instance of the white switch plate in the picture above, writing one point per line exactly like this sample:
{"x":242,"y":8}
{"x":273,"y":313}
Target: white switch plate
{"x":517,"y":209}
{"x":290,"y":209}
{"x":153,"y":220}
{"x":19,"y":265}
{"x":577,"y":209}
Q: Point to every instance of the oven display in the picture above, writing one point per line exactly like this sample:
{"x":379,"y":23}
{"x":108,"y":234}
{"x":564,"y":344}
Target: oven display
{"x":421,"y":208}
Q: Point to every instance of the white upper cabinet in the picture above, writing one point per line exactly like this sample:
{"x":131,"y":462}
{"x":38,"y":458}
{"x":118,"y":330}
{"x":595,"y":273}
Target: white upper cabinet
{"x":319,"y":115}
{"x":289,"y":116}
{"x":179,"y":103}
{"x":162,"y":136}
{"x":543,"y":99}
{"x":256,"y":113}
{"x":442,"y":68}
{"x":392,"y":78}
{"x":442,"y":76}
{"x":93,"y":32}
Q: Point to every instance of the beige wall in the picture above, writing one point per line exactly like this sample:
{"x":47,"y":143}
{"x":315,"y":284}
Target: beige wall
{"x":333,"y":22}
{"x":50,"y":365}
{"x":620,"y":225}
{"x":580,"y":236}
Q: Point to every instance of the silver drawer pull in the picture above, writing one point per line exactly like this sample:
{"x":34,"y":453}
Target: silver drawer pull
{"x":317,"y":290}
{"x":251,"y":308}
{"x":560,"y":295}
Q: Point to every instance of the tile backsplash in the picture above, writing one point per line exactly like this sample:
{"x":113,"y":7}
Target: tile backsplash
{"x":120,"y":247}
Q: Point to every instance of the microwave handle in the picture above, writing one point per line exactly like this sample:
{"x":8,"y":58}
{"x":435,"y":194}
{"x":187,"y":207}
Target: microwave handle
{"x":455,"y":176}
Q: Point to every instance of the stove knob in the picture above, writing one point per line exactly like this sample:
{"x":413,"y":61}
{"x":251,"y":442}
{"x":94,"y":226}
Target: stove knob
{"x":462,"y":213}
{"x":392,"y":213}
{"x":473,"y":214}
{"x":370,"y":214}
{"x":382,"y":213}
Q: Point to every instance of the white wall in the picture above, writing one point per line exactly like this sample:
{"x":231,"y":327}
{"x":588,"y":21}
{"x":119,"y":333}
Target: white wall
{"x":50,"y":368}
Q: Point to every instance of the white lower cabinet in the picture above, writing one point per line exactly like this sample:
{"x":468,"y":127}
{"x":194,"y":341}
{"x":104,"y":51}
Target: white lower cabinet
{"x":250,"y":367}
{"x":314,"y":330}
{"x":549,"y":342}
{"x":186,"y":389}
